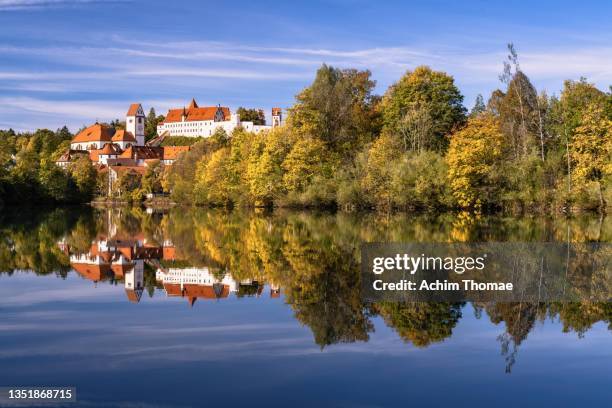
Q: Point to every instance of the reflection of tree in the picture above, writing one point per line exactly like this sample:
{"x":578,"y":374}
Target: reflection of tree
{"x":519,"y":318}
{"x":28,"y":240}
{"x":313,"y":257}
{"x":579,"y":317}
{"x":421,"y":323}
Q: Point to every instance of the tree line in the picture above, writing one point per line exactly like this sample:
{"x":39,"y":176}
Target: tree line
{"x":29,"y":175}
{"x":414,"y":148}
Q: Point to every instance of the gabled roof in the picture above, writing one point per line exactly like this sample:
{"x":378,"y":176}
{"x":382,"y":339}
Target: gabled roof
{"x":134,"y":295}
{"x":276,"y":111}
{"x":123,"y":136}
{"x":193,"y":104}
{"x":197,"y":113}
{"x":108,"y":149}
{"x":192,"y":291}
{"x":91,"y":272}
{"x":133,"y":110}
{"x":94,"y":133}
{"x":142,"y":152}
{"x":121,"y":269}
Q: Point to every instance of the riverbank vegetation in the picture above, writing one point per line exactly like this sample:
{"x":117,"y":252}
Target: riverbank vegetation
{"x":29,"y":175}
{"x":414,"y":148}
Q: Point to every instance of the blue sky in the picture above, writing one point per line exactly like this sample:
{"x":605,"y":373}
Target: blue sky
{"x":73,"y":62}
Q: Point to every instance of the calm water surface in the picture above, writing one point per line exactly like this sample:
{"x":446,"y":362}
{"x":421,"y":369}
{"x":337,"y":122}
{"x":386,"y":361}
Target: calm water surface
{"x":202,"y":308}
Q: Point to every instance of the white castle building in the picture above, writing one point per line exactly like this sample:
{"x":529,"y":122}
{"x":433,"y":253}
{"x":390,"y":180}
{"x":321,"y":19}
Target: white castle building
{"x":195,"y":121}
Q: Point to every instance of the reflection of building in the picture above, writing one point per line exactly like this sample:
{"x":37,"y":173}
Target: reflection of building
{"x":194,"y":283}
{"x":132,"y":259}
{"x":117,"y":259}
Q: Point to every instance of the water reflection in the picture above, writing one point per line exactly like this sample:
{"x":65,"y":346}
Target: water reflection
{"x":312,"y":259}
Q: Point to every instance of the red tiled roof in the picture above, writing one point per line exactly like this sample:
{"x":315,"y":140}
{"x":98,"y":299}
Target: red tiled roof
{"x":93,"y":155}
{"x":133,"y":109}
{"x":193,"y":292}
{"x":91,"y":272}
{"x":142,"y":153}
{"x":123,"y":136}
{"x":196,"y":113}
{"x":121,"y":269}
{"x":108,"y":149}
{"x":133,"y":295}
{"x":94,"y":133}
{"x":276,"y":111}
{"x":169,"y":253}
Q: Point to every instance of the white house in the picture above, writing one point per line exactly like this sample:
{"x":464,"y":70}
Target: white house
{"x":195,"y":121}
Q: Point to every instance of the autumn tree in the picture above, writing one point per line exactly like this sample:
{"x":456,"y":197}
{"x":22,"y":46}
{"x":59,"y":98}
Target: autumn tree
{"x":212,"y":181}
{"x":591,"y":151}
{"x":379,"y":172}
{"x":425,"y":104}
{"x":338,"y":109}
{"x":264,"y":170}
{"x":474,"y":159}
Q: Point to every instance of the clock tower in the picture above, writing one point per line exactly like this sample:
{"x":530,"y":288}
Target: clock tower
{"x":135,"y":123}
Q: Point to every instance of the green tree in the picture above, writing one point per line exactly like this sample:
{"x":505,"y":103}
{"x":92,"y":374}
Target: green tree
{"x":85,"y":177}
{"x":151,"y":124}
{"x":380,"y":171}
{"x":424,"y":90}
{"x":257,"y":116}
{"x":212,"y":181}
{"x":479,"y":106}
{"x":304,"y":161}
{"x":338,"y":108}
{"x":152,"y":179}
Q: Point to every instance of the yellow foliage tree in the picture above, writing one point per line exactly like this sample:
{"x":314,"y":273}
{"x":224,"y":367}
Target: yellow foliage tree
{"x":474,"y":158}
{"x":212,"y":181}
{"x":591,"y":150}
{"x":378,"y":180}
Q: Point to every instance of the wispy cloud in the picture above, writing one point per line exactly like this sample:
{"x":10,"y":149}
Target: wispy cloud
{"x":9,"y":5}
{"x":77,"y":83}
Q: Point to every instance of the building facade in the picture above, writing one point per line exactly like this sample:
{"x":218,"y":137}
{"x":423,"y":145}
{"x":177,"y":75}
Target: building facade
{"x":196,"y":121}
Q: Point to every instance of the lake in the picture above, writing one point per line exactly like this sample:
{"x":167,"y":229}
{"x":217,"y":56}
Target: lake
{"x":195,"y":308}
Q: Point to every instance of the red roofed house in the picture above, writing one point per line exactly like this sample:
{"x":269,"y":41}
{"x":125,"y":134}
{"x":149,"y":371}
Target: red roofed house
{"x":196,"y":121}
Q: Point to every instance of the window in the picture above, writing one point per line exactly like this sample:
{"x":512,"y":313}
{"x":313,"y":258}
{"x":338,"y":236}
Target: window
{"x":139,"y":120}
{"x":130,"y":121}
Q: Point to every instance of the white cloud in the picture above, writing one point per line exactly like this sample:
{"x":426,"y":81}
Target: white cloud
{"x":9,"y":5}
{"x":122,"y":70}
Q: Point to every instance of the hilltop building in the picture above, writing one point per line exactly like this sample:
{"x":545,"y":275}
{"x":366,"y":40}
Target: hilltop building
{"x":120,"y":150}
{"x":196,"y":121}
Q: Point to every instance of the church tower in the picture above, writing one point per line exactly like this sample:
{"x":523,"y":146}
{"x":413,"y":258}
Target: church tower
{"x":277,"y":117}
{"x":135,"y":123}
